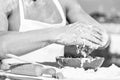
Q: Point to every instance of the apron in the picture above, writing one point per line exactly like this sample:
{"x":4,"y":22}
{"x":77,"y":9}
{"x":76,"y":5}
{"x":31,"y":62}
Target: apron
{"x":48,"y":53}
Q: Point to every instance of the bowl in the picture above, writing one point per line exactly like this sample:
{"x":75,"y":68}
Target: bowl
{"x":86,"y":63}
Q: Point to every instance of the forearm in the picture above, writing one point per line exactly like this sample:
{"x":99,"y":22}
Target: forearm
{"x":19,"y":43}
{"x":84,"y":17}
{"x":76,"y":13}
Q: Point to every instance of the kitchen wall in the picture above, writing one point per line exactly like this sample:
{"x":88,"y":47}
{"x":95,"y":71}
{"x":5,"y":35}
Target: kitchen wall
{"x":107,"y":6}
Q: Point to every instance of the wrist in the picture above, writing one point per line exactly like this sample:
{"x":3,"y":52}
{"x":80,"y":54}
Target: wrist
{"x":58,"y":34}
{"x":53,"y":34}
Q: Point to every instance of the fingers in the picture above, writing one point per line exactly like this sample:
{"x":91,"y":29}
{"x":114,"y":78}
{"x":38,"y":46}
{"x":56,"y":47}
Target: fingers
{"x":93,"y":38}
{"x":105,"y":41}
{"x":91,"y":44}
{"x":88,"y":32}
{"x":96,"y":36}
{"x":90,"y":38}
{"x":58,"y":75}
{"x":79,"y":33}
{"x":98,"y":29}
{"x":94,"y":43}
{"x":95,"y":32}
{"x":49,"y":71}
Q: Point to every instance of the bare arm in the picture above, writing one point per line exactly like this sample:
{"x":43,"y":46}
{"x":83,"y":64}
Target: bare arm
{"x":76,"y":13}
{"x":20,"y":43}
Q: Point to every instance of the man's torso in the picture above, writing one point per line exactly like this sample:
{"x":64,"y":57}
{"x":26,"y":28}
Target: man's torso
{"x":40,"y":10}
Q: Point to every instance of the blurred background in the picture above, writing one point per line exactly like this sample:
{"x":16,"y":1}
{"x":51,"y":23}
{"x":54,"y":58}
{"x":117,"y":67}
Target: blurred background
{"x":107,"y":6}
{"x":106,"y":10}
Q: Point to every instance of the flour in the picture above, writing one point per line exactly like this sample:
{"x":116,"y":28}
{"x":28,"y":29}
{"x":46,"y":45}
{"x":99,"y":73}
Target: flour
{"x":102,"y":73}
{"x":84,"y":50}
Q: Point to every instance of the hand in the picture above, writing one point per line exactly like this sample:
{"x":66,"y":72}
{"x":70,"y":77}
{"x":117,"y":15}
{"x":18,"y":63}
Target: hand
{"x":81,"y":33}
{"x":49,"y":71}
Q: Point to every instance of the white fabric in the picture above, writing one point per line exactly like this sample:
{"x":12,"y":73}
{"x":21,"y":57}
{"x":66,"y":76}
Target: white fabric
{"x":47,"y":54}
